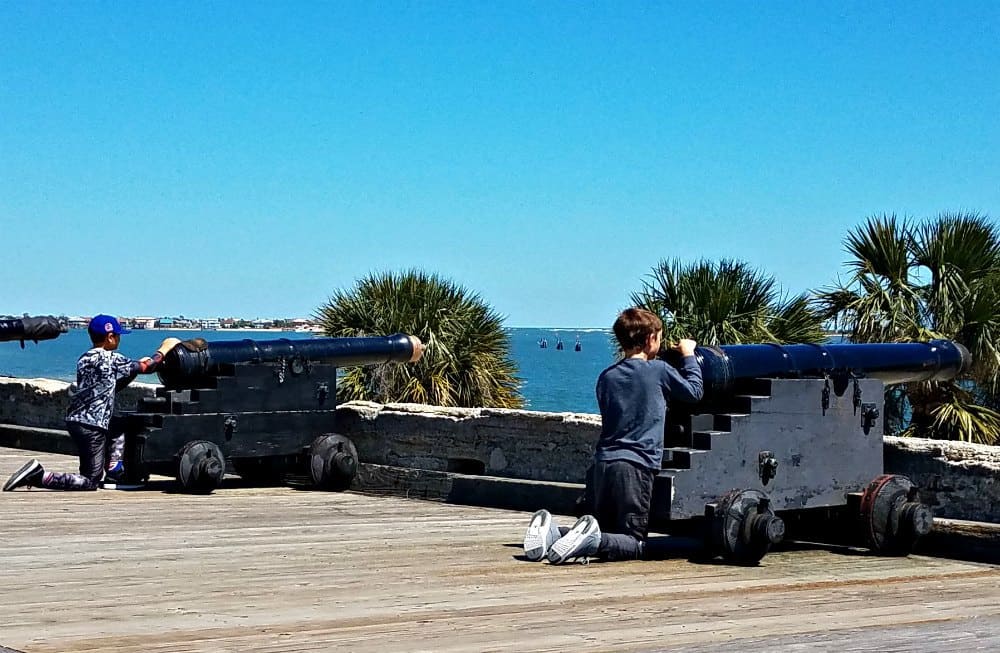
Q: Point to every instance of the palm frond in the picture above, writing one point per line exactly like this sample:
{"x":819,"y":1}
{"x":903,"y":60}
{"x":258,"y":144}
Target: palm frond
{"x":797,"y":321}
{"x":725,"y":302}
{"x":953,"y":414}
{"x":959,"y":251}
{"x":915,"y":282}
{"x":881,"y":250}
{"x":467,"y":361}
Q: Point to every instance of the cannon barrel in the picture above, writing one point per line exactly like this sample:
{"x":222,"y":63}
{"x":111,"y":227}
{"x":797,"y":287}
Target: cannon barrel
{"x":937,"y":360}
{"x":188,"y":368}
{"x":44,"y":327}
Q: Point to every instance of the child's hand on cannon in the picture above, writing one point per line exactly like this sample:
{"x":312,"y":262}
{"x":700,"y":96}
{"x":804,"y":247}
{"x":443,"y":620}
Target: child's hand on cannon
{"x":685,"y":346}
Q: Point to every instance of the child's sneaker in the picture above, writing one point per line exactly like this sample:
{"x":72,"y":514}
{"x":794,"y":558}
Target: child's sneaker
{"x":581,"y":541}
{"x":541,"y":534}
{"x":115,"y":472}
{"x":30,"y":475}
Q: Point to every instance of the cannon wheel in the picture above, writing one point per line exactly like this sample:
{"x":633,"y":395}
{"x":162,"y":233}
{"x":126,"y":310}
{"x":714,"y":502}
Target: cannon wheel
{"x":742,"y":527}
{"x":892,"y":517}
{"x":200,"y":467}
{"x":333,"y":462}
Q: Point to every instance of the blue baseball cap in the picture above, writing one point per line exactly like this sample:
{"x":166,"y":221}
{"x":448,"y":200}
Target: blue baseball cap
{"x":104,"y":324}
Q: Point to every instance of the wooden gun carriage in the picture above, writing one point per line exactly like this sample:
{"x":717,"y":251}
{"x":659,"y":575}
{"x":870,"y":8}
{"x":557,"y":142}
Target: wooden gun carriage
{"x":790,"y":436}
{"x":261,"y":409}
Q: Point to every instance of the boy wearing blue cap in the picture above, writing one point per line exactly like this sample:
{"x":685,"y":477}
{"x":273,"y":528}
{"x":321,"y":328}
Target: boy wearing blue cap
{"x":100,"y":373}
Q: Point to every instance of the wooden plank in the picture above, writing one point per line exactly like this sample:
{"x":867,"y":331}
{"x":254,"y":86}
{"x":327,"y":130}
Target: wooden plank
{"x":278,"y":569}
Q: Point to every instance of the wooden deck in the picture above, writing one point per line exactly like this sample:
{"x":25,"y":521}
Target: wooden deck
{"x":280,"y":569}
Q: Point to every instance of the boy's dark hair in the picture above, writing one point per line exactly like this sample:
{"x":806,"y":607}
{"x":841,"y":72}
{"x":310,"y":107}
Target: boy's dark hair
{"x":97,"y":338}
{"x":634,"y":325}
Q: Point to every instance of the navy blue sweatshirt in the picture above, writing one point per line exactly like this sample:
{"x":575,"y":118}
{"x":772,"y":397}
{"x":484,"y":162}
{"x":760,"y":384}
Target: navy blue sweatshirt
{"x":634,"y":396}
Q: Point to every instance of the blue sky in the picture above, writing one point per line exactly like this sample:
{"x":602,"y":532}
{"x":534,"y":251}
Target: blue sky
{"x":216,"y":159}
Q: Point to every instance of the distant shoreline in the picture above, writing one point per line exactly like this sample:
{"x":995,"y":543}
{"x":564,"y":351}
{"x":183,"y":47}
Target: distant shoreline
{"x":226,"y":330}
{"x":285,"y":330}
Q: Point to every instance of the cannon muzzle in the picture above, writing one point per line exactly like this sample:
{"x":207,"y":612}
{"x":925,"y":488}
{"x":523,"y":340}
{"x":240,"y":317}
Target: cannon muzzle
{"x":938,"y":360}
{"x":185,"y":367}
{"x":44,"y":327}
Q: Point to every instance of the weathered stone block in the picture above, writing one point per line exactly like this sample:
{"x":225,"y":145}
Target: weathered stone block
{"x":960,"y":480}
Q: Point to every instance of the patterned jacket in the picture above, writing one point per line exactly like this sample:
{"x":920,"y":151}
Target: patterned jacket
{"x":100,"y":373}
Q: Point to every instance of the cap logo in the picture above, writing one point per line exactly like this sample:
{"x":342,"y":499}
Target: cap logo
{"x":109,"y":327}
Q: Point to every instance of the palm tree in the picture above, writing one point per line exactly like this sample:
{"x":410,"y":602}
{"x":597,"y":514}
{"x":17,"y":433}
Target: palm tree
{"x":726,"y":303}
{"x":912,"y":281}
{"x":467,"y":361}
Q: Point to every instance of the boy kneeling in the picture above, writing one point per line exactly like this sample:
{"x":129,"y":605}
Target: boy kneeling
{"x":633,"y":396}
{"x":100,"y":373}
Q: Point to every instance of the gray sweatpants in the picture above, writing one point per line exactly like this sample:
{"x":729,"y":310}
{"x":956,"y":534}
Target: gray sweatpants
{"x":622,"y":492}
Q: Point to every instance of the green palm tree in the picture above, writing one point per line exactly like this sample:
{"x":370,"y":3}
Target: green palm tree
{"x":939,"y":278}
{"x":467,"y":361}
{"x":726,"y":303}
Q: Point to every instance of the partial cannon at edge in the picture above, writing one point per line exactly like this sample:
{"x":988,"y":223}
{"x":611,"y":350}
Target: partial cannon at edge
{"x":44,"y":327}
{"x":191,"y":366}
{"x":726,"y":365}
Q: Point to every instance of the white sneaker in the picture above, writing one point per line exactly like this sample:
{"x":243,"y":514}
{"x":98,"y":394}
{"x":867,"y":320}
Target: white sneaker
{"x":541,"y":534}
{"x":581,"y":541}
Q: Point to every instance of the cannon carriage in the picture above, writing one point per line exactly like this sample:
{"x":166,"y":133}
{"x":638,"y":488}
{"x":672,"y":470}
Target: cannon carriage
{"x":789,"y":437}
{"x":262,"y":409}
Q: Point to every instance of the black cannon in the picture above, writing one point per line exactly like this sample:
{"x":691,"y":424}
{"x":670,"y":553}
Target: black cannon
{"x":38,"y":328}
{"x":262,"y":409}
{"x":791,"y":436}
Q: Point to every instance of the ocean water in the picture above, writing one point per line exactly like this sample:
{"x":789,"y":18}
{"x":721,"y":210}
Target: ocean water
{"x":552,"y":380}
{"x":558,"y":381}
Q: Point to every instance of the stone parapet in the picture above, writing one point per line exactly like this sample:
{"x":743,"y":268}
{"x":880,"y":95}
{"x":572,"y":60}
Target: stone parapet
{"x":960,"y":480}
{"x":43,"y":402}
{"x":491,"y":441}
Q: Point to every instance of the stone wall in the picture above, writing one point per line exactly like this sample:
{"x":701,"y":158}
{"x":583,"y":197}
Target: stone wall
{"x":492,"y":441}
{"x":42,"y":402}
{"x":961,"y":481}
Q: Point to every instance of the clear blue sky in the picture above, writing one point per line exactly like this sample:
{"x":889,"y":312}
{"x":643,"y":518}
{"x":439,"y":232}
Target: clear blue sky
{"x":224,"y":158}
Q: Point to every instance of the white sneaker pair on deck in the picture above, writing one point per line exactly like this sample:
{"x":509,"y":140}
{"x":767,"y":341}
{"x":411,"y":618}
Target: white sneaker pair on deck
{"x":543,"y":539}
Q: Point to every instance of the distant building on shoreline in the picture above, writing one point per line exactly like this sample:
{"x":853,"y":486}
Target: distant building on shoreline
{"x":143,"y":322}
